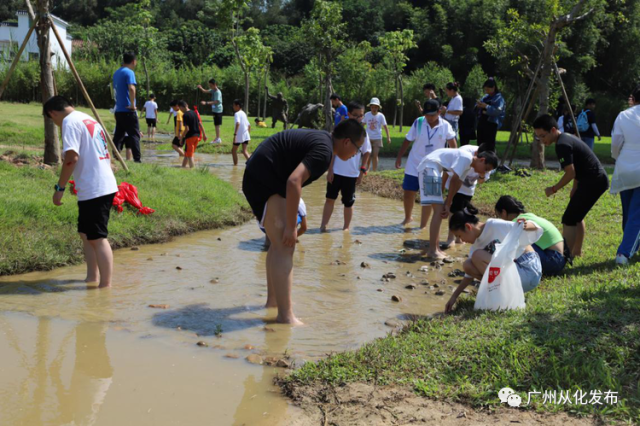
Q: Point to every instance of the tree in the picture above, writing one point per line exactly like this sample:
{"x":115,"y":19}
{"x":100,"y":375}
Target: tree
{"x":535,"y":40}
{"x":251,"y":54}
{"x":325,"y":32}
{"x":396,"y":44}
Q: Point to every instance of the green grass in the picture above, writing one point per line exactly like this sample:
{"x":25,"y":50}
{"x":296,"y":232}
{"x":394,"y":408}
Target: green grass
{"x":36,"y":235}
{"x":22,"y":124}
{"x":579,"y":331}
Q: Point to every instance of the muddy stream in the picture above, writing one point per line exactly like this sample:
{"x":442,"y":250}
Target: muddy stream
{"x":72,"y":355}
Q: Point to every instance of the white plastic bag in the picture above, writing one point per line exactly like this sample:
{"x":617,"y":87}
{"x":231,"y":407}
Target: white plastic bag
{"x":430,"y":180}
{"x":501,"y":287}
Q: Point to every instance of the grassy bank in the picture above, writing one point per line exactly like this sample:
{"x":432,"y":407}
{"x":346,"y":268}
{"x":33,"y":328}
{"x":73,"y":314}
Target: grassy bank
{"x":22,"y":126}
{"x":36,"y":235}
{"x":580,"y":331}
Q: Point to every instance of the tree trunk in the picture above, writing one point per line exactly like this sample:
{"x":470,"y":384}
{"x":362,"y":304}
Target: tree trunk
{"x":328,"y":117}
{"x":247,"y":78}
{"x":401,"y":101}
{"x":260,"y":86}
{"x":395,"y":104}
{"x":146,"y":76}
{"x":51,"y":143}
{"x":319,"y":80}
{"x":266,"y":82}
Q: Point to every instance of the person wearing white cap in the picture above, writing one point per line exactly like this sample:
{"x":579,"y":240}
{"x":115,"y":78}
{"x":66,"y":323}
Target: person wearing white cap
{"x":375,"y":121}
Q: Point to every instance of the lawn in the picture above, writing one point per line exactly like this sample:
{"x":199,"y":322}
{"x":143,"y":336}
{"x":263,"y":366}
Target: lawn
{"x":22,"y":125}
{"x":579,"y":332}
{"x":36,"y":235}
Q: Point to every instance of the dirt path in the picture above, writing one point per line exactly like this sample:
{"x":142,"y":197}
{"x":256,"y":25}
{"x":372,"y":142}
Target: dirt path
{"x":365,"y":404}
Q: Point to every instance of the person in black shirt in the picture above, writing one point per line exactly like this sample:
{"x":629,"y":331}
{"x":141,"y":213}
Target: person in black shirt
{"x":192,"y":134}
{"x":273,"y":180}
{"x":582,"y":166}
{"x":467,"y":122}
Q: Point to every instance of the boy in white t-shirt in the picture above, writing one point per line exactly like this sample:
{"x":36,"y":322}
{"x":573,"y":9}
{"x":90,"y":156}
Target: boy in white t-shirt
{"x":428,"y":133}
{"x":86,"y":157}
{"x":344,"y":175}
{"x":150,"y":110}
{"x":458,"y":164}
{"x":375,"y":121}
{"x":241,"y":134}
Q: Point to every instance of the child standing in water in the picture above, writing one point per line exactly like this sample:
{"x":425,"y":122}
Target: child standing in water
{"x":273,"y":180}
{"x":375,"y":121}
{"x":151,"y":114}
{"x":192,"y":134}
{"x":242,"y":132}
{"x":484,"y":237}
{"x":177,"y":144}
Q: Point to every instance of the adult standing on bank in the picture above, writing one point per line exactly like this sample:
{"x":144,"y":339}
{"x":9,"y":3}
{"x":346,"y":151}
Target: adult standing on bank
{"x":216,"y":106}
{"x":491,"y":112}
{"x":86,"y":157}
{"x":453,"y":110}
{"x":587,"y":123}
{"x":581,"y":166}
{"x":127,"y":132}
{"x":625,"y":149}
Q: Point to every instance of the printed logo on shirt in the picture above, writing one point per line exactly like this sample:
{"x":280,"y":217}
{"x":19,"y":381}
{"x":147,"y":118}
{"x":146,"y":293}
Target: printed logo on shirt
{"x":99,"y":139}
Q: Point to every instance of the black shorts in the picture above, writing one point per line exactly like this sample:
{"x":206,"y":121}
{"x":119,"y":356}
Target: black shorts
{"x":345,"y":185}
{"x":93,"y":216}
{"x":177,"y":142}
{"x":586,"y":195}
{"x":151,"y":122}
{"x":217,"y":119}
{"x":240,"y":143}
{"x":256,"y":193}
{"x":460,"y":201}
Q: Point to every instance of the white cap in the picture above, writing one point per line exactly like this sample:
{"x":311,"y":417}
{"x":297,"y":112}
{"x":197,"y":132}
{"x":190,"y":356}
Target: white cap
{"x":375,"y":101}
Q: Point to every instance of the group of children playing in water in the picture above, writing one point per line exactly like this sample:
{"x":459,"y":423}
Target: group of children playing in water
{"x":289,"y":160}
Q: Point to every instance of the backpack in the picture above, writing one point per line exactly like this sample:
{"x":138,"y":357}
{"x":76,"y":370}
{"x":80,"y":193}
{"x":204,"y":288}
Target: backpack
{"x":583,"y":121}
{"x":420,"y":120}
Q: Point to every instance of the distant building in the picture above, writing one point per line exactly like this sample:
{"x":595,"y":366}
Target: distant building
{"x":12,"y":35}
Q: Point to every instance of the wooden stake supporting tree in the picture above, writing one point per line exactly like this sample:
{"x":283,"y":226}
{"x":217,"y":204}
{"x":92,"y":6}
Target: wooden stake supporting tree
{"x":52,"y":146}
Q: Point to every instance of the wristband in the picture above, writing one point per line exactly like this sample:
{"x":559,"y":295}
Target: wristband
{"x":363,"y":170}
{"x":58,"y":188}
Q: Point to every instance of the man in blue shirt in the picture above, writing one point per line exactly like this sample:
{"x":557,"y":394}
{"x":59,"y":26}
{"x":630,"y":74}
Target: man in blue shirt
{"x":127,"y":128}
{"x":341,"y":109}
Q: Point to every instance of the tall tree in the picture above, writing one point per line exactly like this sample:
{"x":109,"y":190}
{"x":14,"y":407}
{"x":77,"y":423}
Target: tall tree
{"x":396,"y":44}
{"x":325,"y":32}
{"x":251,"y":54}
{"x":534,"y":40}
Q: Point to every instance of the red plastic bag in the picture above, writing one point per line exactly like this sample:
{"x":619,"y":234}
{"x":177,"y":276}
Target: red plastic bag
{"x":129,"y":194}
{"x":74,"y":191}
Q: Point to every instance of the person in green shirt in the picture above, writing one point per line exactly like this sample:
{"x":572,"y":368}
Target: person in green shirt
{"x":550,"y":247}
{"x":216,"y":107}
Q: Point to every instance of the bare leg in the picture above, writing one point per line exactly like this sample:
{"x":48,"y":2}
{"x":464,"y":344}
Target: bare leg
{"x":217,"y":132}
{"x":104,"y":259}
{"x":471,"y":269}
{"x":178,"y":150}
{"x":575,"y":238}
{"x":153,"y":134}
{"x":326,"y":214}
{"x":271,"y":293}
{"x":185,"y":162}
{"x":434,"y":233}
{"x":409,"y":201}
{"x":424,"y":219}
{"x":191,"y":163}
{"x":280,"y":259}
{"x":234,"y":154}
{"x":374,"y":158}
{"x":348,"y":215}
{"x":129,"y":154}
{"x":481,"y":260}
{"x":90,"y":259}
{"x":245,"y":152}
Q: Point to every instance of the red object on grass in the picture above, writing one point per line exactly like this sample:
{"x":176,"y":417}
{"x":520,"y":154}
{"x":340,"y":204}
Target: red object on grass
{"x":129,"y":194}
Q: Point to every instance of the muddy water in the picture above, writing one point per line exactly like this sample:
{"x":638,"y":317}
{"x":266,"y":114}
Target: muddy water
{"x":72,"y":355}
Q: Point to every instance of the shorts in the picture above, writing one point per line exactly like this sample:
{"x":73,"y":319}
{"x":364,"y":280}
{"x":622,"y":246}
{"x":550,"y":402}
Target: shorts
{"x":410,"y":183}
{"x":217,"y":119}
{"x":191,"y":143}
{"x":585,"y":197}
{"x":93,"y":216}
{"x":430,"y":181}
{"x":454,"y":124}
{"x":376,"y":143}
{"x":346,"y":186}
{"x":240,"y":143}
{"x":529,"y":269}
{"x":460,"y":202}
{"x":256,"y":193}
{"x":553,"y":262}
{"x":151,"y":122}
{"x":177,"y":142}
